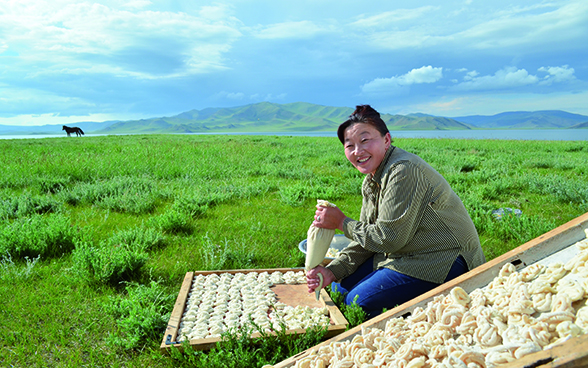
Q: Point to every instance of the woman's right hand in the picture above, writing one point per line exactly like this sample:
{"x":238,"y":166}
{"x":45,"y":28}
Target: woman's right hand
{"x":313,"y":281}
{"x":329,"y":217}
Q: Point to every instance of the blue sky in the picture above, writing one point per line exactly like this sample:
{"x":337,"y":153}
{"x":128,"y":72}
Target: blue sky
{"x":65,"y":61}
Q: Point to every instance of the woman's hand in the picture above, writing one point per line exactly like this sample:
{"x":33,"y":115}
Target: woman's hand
{"x":312,"y":278}
{"x":329,"y":217}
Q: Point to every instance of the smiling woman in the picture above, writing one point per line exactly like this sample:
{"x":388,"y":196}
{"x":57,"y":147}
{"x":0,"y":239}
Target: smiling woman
{"x":413,"y":234}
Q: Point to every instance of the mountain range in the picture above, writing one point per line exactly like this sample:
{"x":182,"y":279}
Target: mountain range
{"x":302,"y":116}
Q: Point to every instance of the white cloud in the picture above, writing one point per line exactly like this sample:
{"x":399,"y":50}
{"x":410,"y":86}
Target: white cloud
{"x":425,"y":74}
{"x":137,"y":4}
{"x":557,"y":74}
{"x":289,"y":30}
{"x":541,"y":23}
{"x":471,"y":75}
{"x":68,"y":35}
{"x":391,"y":18}
{"x":509,"y":77}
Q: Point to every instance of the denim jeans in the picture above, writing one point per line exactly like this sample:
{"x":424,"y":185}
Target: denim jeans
{"x":386,"y":288}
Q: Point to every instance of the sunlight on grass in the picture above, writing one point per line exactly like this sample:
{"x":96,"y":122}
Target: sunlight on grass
{"x":98,"y":233}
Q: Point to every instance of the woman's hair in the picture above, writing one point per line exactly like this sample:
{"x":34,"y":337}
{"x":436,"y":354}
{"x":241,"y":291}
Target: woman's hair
{"x":363,"y":114}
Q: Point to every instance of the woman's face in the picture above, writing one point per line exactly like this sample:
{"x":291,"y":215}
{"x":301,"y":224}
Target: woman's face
{"x":365,"y":147}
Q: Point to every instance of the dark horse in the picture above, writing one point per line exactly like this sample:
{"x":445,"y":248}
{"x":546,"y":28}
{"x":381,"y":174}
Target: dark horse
{"x":76,"y":130}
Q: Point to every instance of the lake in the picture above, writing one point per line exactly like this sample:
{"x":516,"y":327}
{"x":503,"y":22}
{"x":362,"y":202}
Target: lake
{"x":531,"y":134}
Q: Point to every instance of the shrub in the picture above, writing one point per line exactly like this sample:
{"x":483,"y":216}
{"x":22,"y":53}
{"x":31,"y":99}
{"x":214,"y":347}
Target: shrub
{"x":224,"y":257}
{"x":116,"y":259}
{"x":237,"y":349}
{"x":25,"y":205}
{"x":10,"y":271}
{"x":45,"y":236}
{"x":560,"y":189}
{"x":172,"y":221}
{"x":141,"y":316}
{"x":120,"y":194}
{"x":297,"y":194}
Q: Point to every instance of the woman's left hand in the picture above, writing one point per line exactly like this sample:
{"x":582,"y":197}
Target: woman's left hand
{"x":329,"y":217}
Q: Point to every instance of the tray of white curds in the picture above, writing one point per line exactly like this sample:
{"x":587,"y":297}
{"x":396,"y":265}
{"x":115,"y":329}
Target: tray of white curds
{"x":526,"y":308}
{"x":211,"y":303}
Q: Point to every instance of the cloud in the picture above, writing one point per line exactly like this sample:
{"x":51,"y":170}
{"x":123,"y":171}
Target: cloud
{"x":557,"y":74}
{"x":60,"y":38}
{"x":504,"y":78}
{"x":289,"y":30}
{"x":391,"y":18}
{"x":542,"y":23}
{"x":511,"y":77}
{"x":425,"y":74}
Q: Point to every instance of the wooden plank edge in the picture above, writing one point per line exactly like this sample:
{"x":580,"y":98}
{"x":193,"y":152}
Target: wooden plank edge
{"x":171,"y":331}
{"x":249,"y":270}
{"x":334,"y":313}
{"x":572,"y":353}
{"x":493,"y":266}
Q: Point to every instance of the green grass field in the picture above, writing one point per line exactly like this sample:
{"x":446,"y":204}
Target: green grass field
{"x":97,"y":233}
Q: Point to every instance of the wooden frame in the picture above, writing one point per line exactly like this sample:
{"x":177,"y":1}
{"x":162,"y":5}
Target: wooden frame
{"x":290,"y":292}
{"x":526,"y":254}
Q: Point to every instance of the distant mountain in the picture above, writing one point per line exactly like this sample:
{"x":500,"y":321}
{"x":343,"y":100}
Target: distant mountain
{"x":423,"y":122}
{"x":272,"y":117}
{"x":525,"y":120}
{"x":86,"y":126}
{"x":580,"y":126}
{"x":302,"y":116}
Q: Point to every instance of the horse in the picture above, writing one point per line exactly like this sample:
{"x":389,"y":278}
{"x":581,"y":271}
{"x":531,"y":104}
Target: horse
{"x":79,"y":132}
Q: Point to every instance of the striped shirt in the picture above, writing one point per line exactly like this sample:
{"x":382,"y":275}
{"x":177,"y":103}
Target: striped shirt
{"x":411,"y":221}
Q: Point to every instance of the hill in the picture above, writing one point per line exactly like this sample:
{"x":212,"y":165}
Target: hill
{"x":272,"y":117}
{"x":525,"y":120}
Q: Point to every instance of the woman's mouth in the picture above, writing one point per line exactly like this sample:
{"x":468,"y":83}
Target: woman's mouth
{"x":363,"y":159}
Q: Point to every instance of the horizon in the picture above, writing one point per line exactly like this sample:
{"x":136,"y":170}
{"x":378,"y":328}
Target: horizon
{"x":70,"y":62}
{"x":229,"y":107}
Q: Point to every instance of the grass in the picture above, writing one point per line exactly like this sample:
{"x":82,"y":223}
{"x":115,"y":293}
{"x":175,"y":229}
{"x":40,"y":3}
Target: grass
{"x":98,"y":233}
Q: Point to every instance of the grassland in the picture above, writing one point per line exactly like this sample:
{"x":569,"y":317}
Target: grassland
{"x":97,"y":233}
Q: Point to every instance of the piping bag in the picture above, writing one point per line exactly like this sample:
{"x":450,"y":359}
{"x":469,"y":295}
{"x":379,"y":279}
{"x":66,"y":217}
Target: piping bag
{"x":318,"y":241}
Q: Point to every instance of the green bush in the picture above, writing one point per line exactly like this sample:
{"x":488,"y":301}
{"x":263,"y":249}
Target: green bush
{"x":141,"y":316}
{"x":10,"y":271}
{"x":118,"y":258}
{"x":46,"y":236}
{"x":226,"y":256}
{"x":237,"y":350}
{"x":24,"y":205}
{"x":121,"y":194}
{"x":561,"y":190}
{"x":173,"y":222}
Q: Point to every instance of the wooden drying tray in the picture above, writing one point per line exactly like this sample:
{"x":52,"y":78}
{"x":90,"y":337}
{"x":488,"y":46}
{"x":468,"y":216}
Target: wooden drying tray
{"x":522,"y":256}
{"x":292,"y":295}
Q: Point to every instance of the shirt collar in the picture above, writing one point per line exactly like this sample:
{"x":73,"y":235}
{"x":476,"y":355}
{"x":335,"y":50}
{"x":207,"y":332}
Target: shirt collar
{"x":377,"y":176}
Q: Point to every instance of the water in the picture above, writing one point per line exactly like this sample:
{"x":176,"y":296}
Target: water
{"x":535,"y":134}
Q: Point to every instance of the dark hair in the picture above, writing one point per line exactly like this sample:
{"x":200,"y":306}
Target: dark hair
{"x":363,"y":114}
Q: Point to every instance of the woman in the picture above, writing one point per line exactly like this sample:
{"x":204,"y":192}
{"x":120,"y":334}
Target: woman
{"x":413,"y":233}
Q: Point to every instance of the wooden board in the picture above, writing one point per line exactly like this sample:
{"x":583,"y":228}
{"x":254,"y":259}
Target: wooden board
{"x":292,"y":295}
{"x":522,"y":256}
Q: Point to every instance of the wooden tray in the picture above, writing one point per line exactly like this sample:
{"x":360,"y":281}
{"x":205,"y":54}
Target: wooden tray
{"x":522,"y":256}
{"x":292,"y":295}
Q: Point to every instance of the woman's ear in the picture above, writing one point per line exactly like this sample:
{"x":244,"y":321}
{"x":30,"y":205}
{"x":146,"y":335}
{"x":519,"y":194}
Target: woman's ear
{"x":387,"y":140}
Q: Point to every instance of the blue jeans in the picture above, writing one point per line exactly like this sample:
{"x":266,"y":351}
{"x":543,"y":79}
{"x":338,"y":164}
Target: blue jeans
{"x":386,"y":288}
